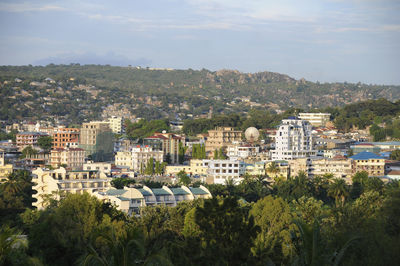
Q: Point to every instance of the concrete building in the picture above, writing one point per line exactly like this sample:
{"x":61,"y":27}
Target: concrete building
{"x":195,"y":168}
{"x":168,"y":143}
{"x":96,"y":139}
{"x":373,"y":164}
{"x":293,"y":140}
{"x":58,"y":181}
{"x":63,"y":137}
{"x":25,"y":139}
{"x":256,"y":169}
{"x":71,"y":158}
{"x":221,"y":137}
{"x":299,"y":165}
{"x":131,"y":200}
{"x":142,"y":154}
{"x":241,"y":151}
{"x":219,"y":171}
{"x":316,"y":119}
{"x":103,"y":167}
{"x":339,"y":167}
{"x":116,"y":124}
{"x":5,"y":169}
{"x":124,"y":158}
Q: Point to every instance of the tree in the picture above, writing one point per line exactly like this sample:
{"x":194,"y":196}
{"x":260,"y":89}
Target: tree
{"x":395,"y":155}
{"x":45,"y":142}
{"x":339,"y":191}
{"x":183,"y":178}
{"x":149,"y":167}
{"x":181,"y":153}
{"x":11,"y":241}
{"x":28,"y":151}
{"x":275,"y":220}
{"x":120,"y":182}
{"x":273,"y":169}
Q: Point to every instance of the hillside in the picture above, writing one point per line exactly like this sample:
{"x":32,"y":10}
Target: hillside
{"x":75,"y":93}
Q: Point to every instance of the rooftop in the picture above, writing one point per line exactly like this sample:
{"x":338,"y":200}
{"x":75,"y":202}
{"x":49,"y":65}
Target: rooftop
{"x":365,"y":155}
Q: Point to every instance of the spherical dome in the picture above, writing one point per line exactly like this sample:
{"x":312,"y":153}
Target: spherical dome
{"x":251,"y":134}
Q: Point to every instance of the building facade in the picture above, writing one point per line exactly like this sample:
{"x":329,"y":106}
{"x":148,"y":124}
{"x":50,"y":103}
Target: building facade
{"x":96,"y":138}
{"x":316,"y":119}
{"x":71,"y":158}
{"x":293,"y":140}
{"x":338,"y":167}
{"x":48,"y":182}
{"x":62,"y":137}
{"x":168,"y":143}
{"x":116,"y":124}
{"x":25,"y":139}
{"x":373,"y":164}
{"x":142,"y":154}
{"x":221,"y":137}
{"x":220,"y":171}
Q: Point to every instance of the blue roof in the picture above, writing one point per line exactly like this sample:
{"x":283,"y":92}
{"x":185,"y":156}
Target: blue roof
{"x":365,"y":155}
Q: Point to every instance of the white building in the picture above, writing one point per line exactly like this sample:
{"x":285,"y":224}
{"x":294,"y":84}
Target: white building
{"x":116,"y":124}
{"x":130,"y":200}
{"x":293,"y":140}
{"x":103,"y":167}
{"x":60,"y":180}
{"x":219,"y":171}
{"x":242,"y":151}
{"x":142,"y":154}
{"x":316,"y":119}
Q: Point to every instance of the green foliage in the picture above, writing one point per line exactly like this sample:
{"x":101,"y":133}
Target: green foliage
{"x":181,"y":153}
{"x":183,"y":178}
{"x":144,"y":128}
{"x":8,"y":136}
{"x":199,"y":151}
{"x":45,"y":142}
{"x":395,"y":155}
{"x":149,"y":167}
{"x":28,"y":151}
{"x":120,"y":182}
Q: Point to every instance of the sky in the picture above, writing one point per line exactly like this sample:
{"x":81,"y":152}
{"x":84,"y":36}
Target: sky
{"x":319,"y":40}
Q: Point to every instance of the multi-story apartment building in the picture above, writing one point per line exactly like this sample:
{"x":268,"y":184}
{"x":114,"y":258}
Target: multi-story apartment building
{"x":373,"y":164}
{"x":299,"y":165}
{"x":96,"y":138}
{"x":168,"y":143}
{"x":25,"y":139}
{"x":63,"y":137}
{"x":221,"y":137}
{"x":316,"y":119}
{"x":241,"y":151}
{"x":103,"y":167}
{"x":293,"y":140}
{"x":116,"y":124}
{"x":256,"y":169}
{"x":195,"y":168}
{"x":57,"y":181}
{"x":71,"y":158}
{"x":142,"y":154}
{"x":339,"y":167}
{"x":131,"y":200}
{"x":219,"y":171}
{"x":124,"y":158}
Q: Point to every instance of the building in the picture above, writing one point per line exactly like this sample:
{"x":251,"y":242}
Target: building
{"x":25,"y":139}
{"x":373,"y":164}
{"x":116,"y":124}
{"x":168,"y":143}
{"x":293,"y":140}
{"x":220,"y":171}
{"x":103,"y":167}
{"x":240,"y":151}
{"x":124,"y":158}
{"x":299,"y":165}
{"x":221,"y":137}
{"x":195,"y":168}
{"x":96,"y":139}
{"x":5,"y":169}
{"x":316,"y":119}
{"x":59,"y":181}
{"x":339,"y":167}
{"x":40,"y":159}
{"x":142,"y":154}
{"x":131,"y":200}
{"x":71,"y":158}
{"x":63,"y":137}
{"x":365,"y":147}
{"x":256,"y":169}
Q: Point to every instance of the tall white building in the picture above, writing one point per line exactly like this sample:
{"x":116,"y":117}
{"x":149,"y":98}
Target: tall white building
{"x":293,"y":140}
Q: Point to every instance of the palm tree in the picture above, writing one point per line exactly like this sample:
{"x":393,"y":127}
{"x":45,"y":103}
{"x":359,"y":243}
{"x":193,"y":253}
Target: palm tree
{"x":10,"y":240}
{"x":273,"y":169}
{"x":128,"y":249}
{"x":338,"y":190}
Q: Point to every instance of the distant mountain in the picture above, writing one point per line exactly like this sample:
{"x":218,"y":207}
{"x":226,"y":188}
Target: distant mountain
{"x":77,"y":92}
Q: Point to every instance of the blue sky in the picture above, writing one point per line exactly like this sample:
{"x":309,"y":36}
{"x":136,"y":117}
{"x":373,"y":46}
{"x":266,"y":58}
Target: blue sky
{"x":324,"y":40}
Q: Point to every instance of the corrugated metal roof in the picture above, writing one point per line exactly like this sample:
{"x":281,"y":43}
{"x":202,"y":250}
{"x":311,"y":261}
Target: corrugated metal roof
{"x":197,"y":191}
{"x":144,"y":192}
{"x":365,"y":155}
{"x":160,"y":191}
{"x":179,"y":191}
{"x":115,"y":192}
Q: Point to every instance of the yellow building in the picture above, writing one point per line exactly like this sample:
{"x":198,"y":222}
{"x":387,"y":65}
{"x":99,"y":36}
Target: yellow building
{"x":72,"y":158}
{"x":258,"y":168}
{"x":60,"y":180}
{"x":194,"y":168}
{"x":124,"y":158}
{"x":373,"y":164}
{"x":221,"y":137}
{"x":338,"y":167}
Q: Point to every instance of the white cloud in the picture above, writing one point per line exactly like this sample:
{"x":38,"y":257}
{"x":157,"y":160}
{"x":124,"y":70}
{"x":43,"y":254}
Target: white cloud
{"x":27,"y":7}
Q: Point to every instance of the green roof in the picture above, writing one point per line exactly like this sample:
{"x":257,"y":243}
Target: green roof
{"x":144,"y":192}
{"x":116,"y":192}
{"x":197,"y":191}
{"x":160,"y":191}
{"x":179,"y":191}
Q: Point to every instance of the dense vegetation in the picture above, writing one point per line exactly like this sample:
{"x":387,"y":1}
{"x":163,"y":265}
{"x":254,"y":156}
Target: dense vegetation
{"x":78,"y":93}
{"x":298,"y":221}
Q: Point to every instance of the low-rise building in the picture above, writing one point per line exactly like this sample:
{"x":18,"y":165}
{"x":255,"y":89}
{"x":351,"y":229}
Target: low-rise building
{"x":131,"y":200}
{"x":48,"y":182}
{"x":25,"y":139}
{"x":103,"y":167}
{"x":195,"y":168}
{"x":373,"y":164}
{"x":124,"y":158}
{"x":256,"y":169}
{"x":339,"y":167}
{"x":242,"y":151}
{"x":220,"y":171}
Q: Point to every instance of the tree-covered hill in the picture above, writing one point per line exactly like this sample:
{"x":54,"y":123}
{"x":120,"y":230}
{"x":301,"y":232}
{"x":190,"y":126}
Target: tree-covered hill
{"x":76,"y":92}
